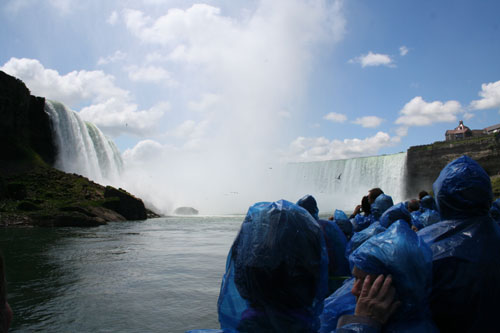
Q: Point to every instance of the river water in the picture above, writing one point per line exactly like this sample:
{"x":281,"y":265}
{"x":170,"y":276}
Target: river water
{"x":158,"y":275}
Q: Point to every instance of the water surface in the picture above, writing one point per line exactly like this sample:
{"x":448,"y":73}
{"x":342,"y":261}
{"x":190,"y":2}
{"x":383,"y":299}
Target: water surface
{"x":159,"y":275}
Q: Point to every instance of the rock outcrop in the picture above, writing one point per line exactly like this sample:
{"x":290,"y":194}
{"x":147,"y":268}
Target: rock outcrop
{"x":186,"y":211}
{"x":48,"y":197}
{"x":424,"y":163}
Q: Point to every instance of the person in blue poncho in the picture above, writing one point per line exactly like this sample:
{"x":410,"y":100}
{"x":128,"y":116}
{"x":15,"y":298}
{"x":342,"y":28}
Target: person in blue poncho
{"x":399,"y":257}
{"x":378,"y":205}
{"x":394,"y":213}
{"x":466,"y":246}
{"x":335,"y":241}
{"x":340,"y":218}
{"x":427,"y":202}
{"x":277,"y":272}
{"x":495,"y":210}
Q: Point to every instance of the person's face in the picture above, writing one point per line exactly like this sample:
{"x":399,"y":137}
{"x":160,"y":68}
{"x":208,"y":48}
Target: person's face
{"x":359,"y":276}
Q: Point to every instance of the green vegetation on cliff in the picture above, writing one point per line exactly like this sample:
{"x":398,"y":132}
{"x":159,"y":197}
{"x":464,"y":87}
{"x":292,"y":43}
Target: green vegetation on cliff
{"x":495,"y":184}
{"x":45,"y":196}
{"x":489,"y":140}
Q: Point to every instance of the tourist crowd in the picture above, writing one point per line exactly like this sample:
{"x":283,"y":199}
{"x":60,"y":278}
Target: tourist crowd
{"x":425,"y":265}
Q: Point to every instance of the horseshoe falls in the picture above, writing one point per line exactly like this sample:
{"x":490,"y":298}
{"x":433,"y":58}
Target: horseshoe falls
{"x":82,"y":148}
{"x":340,"y":184}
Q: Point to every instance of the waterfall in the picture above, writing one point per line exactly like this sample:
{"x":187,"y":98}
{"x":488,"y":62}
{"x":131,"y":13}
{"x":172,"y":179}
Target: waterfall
{"x":340,"y":184}
{"x":82,"y":147}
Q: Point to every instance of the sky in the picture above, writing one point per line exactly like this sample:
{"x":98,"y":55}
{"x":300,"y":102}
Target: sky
{"x":210,"y":91}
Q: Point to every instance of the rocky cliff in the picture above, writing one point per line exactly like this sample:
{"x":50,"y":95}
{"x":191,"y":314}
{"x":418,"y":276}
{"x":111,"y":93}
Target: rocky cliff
{"x":32,"y":192}
{"x":25,"y":129}
{"x":424,"y":163}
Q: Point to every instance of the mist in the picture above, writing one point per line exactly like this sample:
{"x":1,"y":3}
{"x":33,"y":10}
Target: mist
{"x":251,"y":76}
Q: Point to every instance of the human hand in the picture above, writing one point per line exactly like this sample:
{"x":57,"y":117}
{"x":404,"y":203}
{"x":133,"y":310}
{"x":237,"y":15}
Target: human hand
{"x":378,"y":300}
{"x":357,"y":210}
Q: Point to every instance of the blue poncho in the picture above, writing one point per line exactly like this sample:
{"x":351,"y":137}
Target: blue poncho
{"x":396,"y":212}
{"x":465,"y":246}
{"x":377,"y":208}
{"x":276,"y":272}
{"x":335,"y":241}
{"x":427,"y":202}
{"x":309,"y":203}
{"x":495,"y":210}
{"x":341,"y":219}
{"x":400,"y":252}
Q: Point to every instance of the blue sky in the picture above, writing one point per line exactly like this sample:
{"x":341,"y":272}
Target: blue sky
{"x":261,"y":80}
{"x":147,"y":64}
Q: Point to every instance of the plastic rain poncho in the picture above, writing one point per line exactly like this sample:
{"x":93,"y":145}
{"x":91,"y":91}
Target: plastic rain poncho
{"x":466,"y":247}
{"x":426,"y":218}
{"x":495,"y":210}
{"x":309,"y":203}
{"x":427,"y":202}
{"x":377,"y":208}
{"x":400,"y":252}
{"x":341,"y":219}
{"x":335,"y":240}
{"x":340,"y":303}
{"x":362,"y":236}
{"x":276,"y":273}
{"x":396,"y":212}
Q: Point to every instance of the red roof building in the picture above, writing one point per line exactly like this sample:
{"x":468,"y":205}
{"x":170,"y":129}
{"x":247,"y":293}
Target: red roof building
{"x":460,"y":132}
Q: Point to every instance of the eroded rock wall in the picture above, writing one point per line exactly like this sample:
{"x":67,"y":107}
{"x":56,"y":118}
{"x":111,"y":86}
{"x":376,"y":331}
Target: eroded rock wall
{"x":424,"y":163}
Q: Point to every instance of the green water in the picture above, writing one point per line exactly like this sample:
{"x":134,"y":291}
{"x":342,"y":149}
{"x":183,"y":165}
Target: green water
{"x":160,"y":275}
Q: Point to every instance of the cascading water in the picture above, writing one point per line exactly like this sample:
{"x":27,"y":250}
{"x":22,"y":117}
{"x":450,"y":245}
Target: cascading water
{"x":82,"y":147}
{"x":341,"y":184}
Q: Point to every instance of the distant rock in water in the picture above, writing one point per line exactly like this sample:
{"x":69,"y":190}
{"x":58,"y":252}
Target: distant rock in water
{"x":186,"y":211}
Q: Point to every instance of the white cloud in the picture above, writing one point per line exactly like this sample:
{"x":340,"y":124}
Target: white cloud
{"x":403,"y":50}
{"x":368,"y":121}
{"x":117,"y":56}
{"x":418,"y":112}
{"x":402,"y":131}
{"x":150,"y":74}
{"x":468,"y":115}
{"x":246,"y":60}
{"x":74,"y":88}
{"x":157,"y":57}
{"x":320,"y":149}
{"x":335,"y":117}
{"x":107,"y":106}
{"x":206,"y":102}
{"x":115,"y":117}
{"x":113,"y":18}
{"x":490,"y":96}
{"x":201,"y":34}
{"x":145,"y":150}
{"x":62,"y":6}
{"x":373,"y":59}
{"x":191,"y":133}
{"x":284,"y":114}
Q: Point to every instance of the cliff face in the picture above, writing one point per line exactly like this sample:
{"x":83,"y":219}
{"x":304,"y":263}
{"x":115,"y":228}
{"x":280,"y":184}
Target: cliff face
{"x":424,"y":163}
{"x":25,"y":129}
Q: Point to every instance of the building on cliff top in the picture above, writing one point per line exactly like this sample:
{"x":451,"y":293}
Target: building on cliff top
{"x":462,"y":132}
{"x":492,"y":129}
